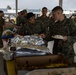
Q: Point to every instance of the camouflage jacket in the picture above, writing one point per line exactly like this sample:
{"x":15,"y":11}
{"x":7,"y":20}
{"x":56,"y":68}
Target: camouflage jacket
{"x":30,"y":29}
{"x":2,"y":22}
{"x":64,"y":28}
{"x":21,"y":20}
{"x":44,"y":20}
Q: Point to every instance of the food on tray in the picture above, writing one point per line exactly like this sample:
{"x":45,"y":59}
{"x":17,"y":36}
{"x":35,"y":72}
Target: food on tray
{"x":57,"y":65}
{"x":7,"y":33}
{"x":28,"y":40}
{"x":30,"y":67}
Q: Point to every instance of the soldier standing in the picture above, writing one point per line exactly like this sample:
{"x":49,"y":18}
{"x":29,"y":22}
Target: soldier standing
{"x":2,"y":22}
{"x":18,"y":18}
{"x":45,"y":19}
{"x":65,"y":28}
{"x":73,"y":17}
{"x":22,"y":17}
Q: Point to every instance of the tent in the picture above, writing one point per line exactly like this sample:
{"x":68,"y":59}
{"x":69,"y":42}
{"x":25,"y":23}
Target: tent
{"x":60,"y":4}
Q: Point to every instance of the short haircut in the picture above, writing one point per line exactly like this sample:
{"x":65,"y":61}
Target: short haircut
{"x":1,"y":11}
{"x":30,"y":14}
{"x":23,"y":11}
{"x":57,"y":8}
{"x":44,"y":8}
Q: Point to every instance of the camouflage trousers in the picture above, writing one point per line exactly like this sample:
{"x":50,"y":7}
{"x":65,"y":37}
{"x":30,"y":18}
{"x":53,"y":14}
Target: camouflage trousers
{"x":65,"y":48}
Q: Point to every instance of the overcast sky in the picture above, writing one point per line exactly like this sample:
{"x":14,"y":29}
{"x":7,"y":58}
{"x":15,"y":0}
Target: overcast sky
{"x":38,"y":4}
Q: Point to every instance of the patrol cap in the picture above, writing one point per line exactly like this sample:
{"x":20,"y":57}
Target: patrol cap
{"x":29,"y":15}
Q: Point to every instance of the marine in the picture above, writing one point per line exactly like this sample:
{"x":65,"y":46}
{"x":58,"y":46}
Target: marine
{"x":65,"y":28}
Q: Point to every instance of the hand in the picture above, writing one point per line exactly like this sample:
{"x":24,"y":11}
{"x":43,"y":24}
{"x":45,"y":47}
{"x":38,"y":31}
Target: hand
{"x":42,"y":35}
{"x":65,"y":38}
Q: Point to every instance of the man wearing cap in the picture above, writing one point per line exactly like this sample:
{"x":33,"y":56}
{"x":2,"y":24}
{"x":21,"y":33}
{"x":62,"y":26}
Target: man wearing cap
{"x":32,"y":26}
{"x":22,"y":17}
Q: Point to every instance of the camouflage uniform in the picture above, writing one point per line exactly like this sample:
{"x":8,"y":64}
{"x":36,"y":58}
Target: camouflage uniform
{"x":46,"y":22}
{"x":74,"y":20}
{"x":1,"y":30}
{"x":21,"y":20}
{"x":18,"y":22}
{"x":30,"y":29}
{"x":64,"y":28}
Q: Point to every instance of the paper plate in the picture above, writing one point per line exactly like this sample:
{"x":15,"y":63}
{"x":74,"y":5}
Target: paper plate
{"x":58,"y":37}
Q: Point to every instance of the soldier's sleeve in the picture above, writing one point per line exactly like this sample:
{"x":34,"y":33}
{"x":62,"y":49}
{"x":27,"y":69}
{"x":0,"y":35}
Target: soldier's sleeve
{"x":18,"y":21}
{"x":2,"y":21}
{"x":19,"y":31}
{"x":72,"y":28}
{"x":43,"y":27}
{"x":22,"y":30}
{"x":38,"y":18}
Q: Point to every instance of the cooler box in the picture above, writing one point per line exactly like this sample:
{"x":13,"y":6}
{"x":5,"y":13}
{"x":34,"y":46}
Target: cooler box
{"x":36,"y":60}
{"x":31,"y":59}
